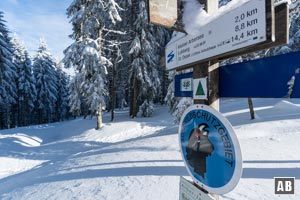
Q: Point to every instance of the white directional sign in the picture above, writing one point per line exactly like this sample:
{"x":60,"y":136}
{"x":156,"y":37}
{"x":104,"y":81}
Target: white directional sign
{"x":241,"y":27}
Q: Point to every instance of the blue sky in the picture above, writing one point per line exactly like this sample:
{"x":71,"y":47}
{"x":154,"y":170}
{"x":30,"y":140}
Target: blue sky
{"x":33,"y":19}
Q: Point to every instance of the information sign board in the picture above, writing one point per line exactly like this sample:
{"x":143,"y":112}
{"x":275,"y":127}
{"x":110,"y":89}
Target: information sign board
{"x":210,"y":149}
{"x":188,"y":191}
{"x":239,"y":28}
{"x":184,"y":85}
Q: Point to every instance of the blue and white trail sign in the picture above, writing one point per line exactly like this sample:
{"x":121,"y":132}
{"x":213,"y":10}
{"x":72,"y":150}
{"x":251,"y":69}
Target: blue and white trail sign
{"x":210,"y":149}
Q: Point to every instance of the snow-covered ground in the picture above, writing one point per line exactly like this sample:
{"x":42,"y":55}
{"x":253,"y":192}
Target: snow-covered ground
{"x":140,"y":159}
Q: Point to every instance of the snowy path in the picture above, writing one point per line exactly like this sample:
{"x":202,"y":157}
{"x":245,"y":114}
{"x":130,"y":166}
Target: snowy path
{"x":141,"y":159}
{"x":81,"y":166}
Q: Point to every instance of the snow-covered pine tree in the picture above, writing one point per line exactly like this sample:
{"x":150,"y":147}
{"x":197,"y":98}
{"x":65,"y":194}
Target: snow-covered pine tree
{"x":8,"y":90}
{"x":294,"y":43}
{"x":75,"y":96}
{"x":86,"y":53}
{"x":62,"y":102}
{"x":25,"y":83}
{"x":121,"y":81}
{"x":143,"y":76}
{"x":46,"y":84}
{"x":170,"y":99}
{"x":162,"y":37}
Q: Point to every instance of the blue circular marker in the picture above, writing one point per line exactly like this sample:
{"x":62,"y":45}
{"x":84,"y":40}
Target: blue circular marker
{"x":210,"y":149}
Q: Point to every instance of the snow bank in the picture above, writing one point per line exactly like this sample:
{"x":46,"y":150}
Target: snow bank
{"x":287,"y":106}
{"x":23,"y":139}
{"x":11,"y":166}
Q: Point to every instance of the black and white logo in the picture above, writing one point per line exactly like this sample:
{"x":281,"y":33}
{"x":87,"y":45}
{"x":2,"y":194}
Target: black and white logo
{"x":284,"y":185}
{"x":199,"y":148}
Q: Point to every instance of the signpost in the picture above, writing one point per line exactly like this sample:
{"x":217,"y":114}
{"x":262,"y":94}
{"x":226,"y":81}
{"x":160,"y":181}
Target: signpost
{"x":208,"y":144}
{"x":210,"y":149}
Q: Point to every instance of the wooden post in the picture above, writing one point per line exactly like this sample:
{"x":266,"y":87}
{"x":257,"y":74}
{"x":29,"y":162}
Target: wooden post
{"x":210,"y":70}
{"x":251,"y":108}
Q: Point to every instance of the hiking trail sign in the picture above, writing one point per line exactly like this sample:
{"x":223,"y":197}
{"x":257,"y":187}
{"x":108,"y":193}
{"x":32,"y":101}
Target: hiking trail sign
{"x":210,"y":149}
{"x":208,"y":144}
{"x":239,"y":28}
{"x":184,"y":85}
{"x":200,"y":88}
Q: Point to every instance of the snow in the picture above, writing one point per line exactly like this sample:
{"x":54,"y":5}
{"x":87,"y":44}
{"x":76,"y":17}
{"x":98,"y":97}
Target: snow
{"x":194,"y":16}
{"x":279,"y":2}
{"x":140,"y":158}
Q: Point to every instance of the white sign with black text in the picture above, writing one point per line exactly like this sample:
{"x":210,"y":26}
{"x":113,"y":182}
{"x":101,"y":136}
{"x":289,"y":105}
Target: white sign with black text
{"x":241,"y":27}
{"x":188,"y":191}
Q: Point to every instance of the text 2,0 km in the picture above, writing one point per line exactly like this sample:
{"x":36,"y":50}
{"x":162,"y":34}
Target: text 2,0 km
{"x":243,"y":16}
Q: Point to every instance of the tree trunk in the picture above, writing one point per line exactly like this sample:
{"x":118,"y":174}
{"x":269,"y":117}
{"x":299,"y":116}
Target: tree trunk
{"x":250,"y":103}
{"x":135,"y":104}
{"x":132,"y":79}
{"x":113,"y":94}
{"x":131,"y":96}
{"x":99,"y":117}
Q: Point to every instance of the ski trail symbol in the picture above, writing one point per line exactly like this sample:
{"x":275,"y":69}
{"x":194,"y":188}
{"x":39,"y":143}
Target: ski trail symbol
{"x":171,"y":56}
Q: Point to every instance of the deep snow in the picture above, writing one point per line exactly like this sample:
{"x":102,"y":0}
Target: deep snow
{"x":140,"y":159}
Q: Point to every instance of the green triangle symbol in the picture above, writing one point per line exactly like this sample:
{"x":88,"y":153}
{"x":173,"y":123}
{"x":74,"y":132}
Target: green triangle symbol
{"x":200,"y":90}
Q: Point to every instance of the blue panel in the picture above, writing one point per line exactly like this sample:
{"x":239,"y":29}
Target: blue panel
{"x":179,"y":93}
{"x":266,"y":77}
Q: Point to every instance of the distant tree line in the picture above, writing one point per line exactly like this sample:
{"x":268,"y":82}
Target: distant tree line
{"x":117,"y":57}
{"x":32,"y":90}
{"x":116,"y":54}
